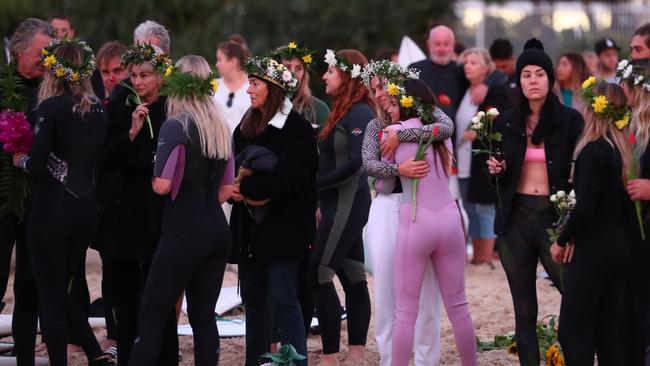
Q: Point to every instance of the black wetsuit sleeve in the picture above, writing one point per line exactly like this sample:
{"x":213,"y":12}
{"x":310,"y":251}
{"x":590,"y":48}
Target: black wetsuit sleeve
{"x":172,"y":136}
{"x":590,"y":170}
{"x":443,"y":123}
{"x":43,"y":139}
{"x":371,"y":154}
{"x":355,"y":124}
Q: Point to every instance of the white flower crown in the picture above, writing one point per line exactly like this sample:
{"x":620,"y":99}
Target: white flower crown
{"x":343,"y":64}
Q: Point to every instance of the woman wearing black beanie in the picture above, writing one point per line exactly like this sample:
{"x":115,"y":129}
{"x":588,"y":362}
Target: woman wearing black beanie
{"x":539,"y":136}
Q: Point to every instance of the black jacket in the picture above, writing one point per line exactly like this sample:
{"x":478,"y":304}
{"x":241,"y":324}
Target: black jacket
{"x":564,"y":128}
{"x":290,"y":226}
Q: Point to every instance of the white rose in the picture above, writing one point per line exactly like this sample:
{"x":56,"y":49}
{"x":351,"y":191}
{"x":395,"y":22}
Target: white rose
{"x":477,"y":126}
{"x":561,"y":194}
{"x":628,"y":71}
{"x":553,"y":198}
{"x":356,"y":71}
{"x":572,"y":194}
{"x":480,"y":114}
{"x":493,"y":112}
{"x":475,"y":120}
{"x":638,"y":79}
{"x":562,"y":205}
{"x":622,"y":65}
{"x":286,"y":76}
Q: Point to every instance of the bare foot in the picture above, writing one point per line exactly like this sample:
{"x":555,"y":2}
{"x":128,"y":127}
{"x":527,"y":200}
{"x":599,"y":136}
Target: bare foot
{"x":331,"y":359}
{"x":73,"y":348}
{"x":356,"y":354}
{"x":40,"y":347}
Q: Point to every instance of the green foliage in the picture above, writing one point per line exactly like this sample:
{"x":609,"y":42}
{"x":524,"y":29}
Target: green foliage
{"x":185,"y":84}
{"x":285,"y":356}
{"x":11,"y":89}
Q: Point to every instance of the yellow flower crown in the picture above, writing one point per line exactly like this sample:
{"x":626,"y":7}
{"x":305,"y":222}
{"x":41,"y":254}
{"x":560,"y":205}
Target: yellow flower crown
{"x":62,"y":68}
{"x":602,"y":107}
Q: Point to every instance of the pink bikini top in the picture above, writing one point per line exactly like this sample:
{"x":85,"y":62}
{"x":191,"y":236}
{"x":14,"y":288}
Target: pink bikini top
{"x":534,"y":155}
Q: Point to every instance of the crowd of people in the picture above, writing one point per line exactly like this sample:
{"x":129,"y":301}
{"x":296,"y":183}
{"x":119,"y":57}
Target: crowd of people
{"x":171,"y":171}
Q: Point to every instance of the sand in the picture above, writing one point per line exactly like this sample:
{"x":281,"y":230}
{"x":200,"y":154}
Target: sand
{"x":487,"y":292}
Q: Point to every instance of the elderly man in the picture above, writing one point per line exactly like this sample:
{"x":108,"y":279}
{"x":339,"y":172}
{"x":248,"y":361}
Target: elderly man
{"x":31,"y":36}
{"x":640,"y":44}
{"x":154,"y":34}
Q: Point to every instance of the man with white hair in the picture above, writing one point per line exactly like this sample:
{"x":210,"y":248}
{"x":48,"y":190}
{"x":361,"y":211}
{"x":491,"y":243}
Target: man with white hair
{"x":154,"y":34}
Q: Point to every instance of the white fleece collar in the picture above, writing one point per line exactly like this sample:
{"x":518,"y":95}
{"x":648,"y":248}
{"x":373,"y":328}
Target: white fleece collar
{"x":281,"y":116}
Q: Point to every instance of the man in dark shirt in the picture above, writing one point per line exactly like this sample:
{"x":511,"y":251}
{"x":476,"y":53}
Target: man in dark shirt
{"x":504,"y":61}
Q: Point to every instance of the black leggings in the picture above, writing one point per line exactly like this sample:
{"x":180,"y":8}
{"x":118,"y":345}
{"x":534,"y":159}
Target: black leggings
{"x":107,"y":296}
{"x":524,"y":243}
{"x":80,"y":293}
{"x":339,"y":250}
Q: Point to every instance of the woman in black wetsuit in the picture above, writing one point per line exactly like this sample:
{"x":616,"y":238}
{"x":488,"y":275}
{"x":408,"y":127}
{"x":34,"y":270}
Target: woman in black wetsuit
{"x":195,"y":171}
{"x":593,"y":245}
{"x":344,"y":206}
{"x":69,"y":135}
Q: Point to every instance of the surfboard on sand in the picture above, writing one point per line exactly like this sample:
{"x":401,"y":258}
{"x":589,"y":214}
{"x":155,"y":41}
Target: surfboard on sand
{"x":228,"y":299}
{"x":409,"y":52}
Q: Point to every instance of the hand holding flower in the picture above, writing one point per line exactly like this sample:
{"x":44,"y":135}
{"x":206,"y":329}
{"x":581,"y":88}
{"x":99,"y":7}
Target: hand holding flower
{"x":414,"y":168}
{"x":557,"y":253}
{"x":495,"y":166}
{"x":17,"y":157}
{"x":639,"y":189}
{"x":137,"y":120}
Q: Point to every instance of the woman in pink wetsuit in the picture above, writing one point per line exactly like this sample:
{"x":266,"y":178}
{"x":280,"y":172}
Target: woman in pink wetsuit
{"x":436,"y":235}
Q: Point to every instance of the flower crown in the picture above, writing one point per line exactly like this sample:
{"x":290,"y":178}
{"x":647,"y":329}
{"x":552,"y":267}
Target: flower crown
{"x":292,"y":51}
{"x":424,"y":110}
{"x":601,"y":106}
{"x":62,"y":68}
{"x":388,"y":71}
{"x":633,"y":74}
{"x":139,"y":53}
{"x":343,"y":64}
{"x":268,"y":69}
{"x":187,"y":84}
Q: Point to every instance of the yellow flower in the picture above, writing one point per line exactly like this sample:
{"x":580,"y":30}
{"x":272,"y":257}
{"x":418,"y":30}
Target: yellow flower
{"x":169,"y":70}
{"x":392,"y":89}
{"x":74,"y":76}
{"x":591,"y":81}
{"x":44,"y":52}
{"x":292,"y":45}
{"x":620,"y":124}
{"x":551,"y":352}
{"x":512,"y":349}
{"x":59,"y":72}
{"x":559,"y":360}
{"x":599,"y":104}
{"x":306,"y":59}
{"x":49,"y":61}
{"x":215,"y":85}
{"x":406,"y":102}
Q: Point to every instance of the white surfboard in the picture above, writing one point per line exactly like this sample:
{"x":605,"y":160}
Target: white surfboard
{"x":409,"y":52}
{"x":228,"y":300}
{"x":5,"y":324}
{"x":228,"y":328}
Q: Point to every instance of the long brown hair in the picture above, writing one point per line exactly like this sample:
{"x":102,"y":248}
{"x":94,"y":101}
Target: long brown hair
{"x":235,"y":47}
{"x":303,"y":99}
{"x":256,"y":120}
{"x":579,"y":70}
{"x":351,"y":91}
{"x":640,"y":102}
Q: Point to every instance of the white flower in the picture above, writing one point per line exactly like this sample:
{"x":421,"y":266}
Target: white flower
{"x":622,"y":65}
{"x":480,"y":114}
{"x":493,"y":112}
{"x":562,"y":205}
{"x":356,"y":71}
{"x":293,"y":83}
{"x":270,"y":72}
{"x":553,"y":198}
{"x":628,"y":71}
{"x":475,"y":120}
{"x":330,"y":58}
{"x":638,"y":79}
{"x":477,"y":126}
{"x":286,"y":76}
{"x":343,"y":67}
{"x":561,"y":194}
{"x":572,"y":194}
{"x":646,"y":86}
{"x":572,"y":202}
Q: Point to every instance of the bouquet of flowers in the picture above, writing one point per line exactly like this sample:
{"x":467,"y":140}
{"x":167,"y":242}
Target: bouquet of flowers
{"x":15,"y":132}
{"x":482,"y":124}
{"x":419,"y":155}
{"x":563,"y":204}
{"x":285,"y":356}
{"x":633,"y":173}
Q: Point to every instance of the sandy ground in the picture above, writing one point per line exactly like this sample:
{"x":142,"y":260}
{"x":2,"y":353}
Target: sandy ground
{"x":487,"y":291}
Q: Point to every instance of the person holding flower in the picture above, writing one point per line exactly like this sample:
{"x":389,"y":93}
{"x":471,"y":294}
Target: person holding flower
{"x":272,"y":247}
{"x":194,"y":168}
{"x":424,"y":201}
{"x":344,"y":205}
{"x":131,"y":210}
{"x":593,"y":246}
{"x":70,"y":131}
{"x":538,"y":139}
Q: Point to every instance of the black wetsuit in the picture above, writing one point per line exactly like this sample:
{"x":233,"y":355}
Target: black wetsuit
{"x":66,"y":149}
{"x":194,"y":245}
{"x":594,"y":279}
{"x":338,"y":249}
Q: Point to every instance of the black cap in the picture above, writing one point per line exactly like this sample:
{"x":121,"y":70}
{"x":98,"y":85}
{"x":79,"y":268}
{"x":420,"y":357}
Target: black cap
{"x":605,"y":44}
{"x":534,"y":55}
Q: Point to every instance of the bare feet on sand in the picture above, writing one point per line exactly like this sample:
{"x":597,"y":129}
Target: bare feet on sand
{"x":331,"y":359}
{"x":356,"y":355}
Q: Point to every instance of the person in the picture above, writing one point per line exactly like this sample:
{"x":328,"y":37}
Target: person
{"x":271,"y":247}
{"x":607,"y":52}
{"x":505,"y":62}
{"x":299,"y":60}
{"x":640,"y":43}
{"x":419,"y":242}
{"x":231,"y":96}
{"x":195,"y":169}
{"x":70,"y":130}
{"x":153,"y":33}
{"x":381,"y":229}
{"x":636,"y":298}
{"x":538,"y":140}
{"x":110,"y":66}
{"x":390,"y":54}
{"x":344,"y":204}
{"x":571,"y":71}
{"x":132,"y":212}
{"x":591,"y":61}
{"x":29,"y":38}
{"x":62,"y":25}
{"x":478,"y":196}
{"x":593,"y":275}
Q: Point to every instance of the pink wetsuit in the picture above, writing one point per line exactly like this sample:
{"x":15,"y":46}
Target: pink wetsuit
{"x":436,"y":236}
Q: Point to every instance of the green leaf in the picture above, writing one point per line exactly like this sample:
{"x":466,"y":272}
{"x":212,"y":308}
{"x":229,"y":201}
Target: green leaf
{"x":132,"y":100}
{"x":496,"y":136}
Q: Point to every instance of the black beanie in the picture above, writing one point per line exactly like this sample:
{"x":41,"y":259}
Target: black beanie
{"x":534,"y":55}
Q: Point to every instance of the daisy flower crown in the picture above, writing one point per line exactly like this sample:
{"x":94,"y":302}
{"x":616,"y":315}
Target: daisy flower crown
{"x":333,"y":61}
{"x":186,"y":84}
{"x":633,"y":74}
{"x":602,"y":107}
{"x":140,"y":53}
{"x":62,"y":68}
{"x":268,"y":69}
{"x":388,"y":71}
{"x":292,"y":51}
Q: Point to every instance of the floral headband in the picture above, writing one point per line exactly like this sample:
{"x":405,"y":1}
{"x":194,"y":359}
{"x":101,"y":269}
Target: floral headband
{"x":343,"y":64}
{"x":62,"y":68}
{"x":601,"y":106}
{"x":292,"y":51}
{"x":268,"y":69}
{"x":389,"y":71}
{"x":187,"y":84}
{"x":139,"y":53}
{"x":633,"y":74}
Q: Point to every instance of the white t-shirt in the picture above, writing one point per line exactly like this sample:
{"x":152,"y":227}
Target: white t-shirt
{"x":465,"y":112}
{"x":232,"y":104}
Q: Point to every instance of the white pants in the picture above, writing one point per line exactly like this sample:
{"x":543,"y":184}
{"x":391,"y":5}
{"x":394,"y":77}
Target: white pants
{"x":380,"y":236}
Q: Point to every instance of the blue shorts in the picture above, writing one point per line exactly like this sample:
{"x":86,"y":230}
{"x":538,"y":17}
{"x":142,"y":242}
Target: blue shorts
{"x":480,"y":216}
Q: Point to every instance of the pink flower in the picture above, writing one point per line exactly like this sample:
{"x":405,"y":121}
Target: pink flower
{"x":15,"y":132}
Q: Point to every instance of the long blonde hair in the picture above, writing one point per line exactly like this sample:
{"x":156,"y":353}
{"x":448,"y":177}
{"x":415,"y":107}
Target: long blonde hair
{"x":82,"y":92}
{"x":213,"y":131}
{"x":597,"y":126}
{"x":303,"y":100}
{"x":640,"y":102}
